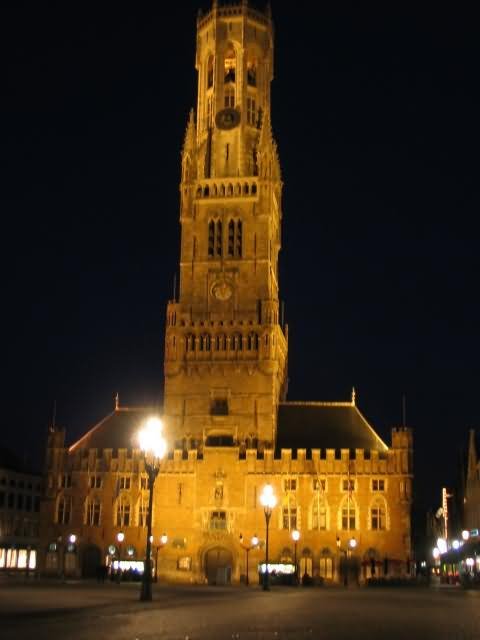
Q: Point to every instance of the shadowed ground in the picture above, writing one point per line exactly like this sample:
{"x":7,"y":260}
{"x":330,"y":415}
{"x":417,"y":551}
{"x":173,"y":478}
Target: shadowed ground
{"x":85,"y":611}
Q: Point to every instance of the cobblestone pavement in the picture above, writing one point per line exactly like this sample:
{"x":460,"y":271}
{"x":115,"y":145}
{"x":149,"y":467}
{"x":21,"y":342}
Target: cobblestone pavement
{"x":83,"y":611}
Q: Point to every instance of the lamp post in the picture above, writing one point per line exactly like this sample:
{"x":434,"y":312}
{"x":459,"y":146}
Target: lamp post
{"x":153,"y":445}
{"x":295,"y":538}
{"x":163,"y":542}
{"x":268,"y":500}
{"x":248,"y":548}
{"x":120,"y":539}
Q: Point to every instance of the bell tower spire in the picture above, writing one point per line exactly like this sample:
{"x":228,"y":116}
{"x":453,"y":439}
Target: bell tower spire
{"x":225,"y":351}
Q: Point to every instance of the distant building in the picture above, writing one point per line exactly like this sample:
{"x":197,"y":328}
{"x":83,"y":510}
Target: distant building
{"x":230,"y":427}
{"x":20,"y":493}
{"x":471,"y":502}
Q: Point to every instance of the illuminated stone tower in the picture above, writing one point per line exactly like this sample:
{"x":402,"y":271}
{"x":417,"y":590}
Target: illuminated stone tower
{"x":225,"y":349}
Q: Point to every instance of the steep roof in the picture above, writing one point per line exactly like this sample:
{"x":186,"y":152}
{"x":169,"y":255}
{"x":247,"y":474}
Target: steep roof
{"x":117,"y":431}
{"x":325,"y":425}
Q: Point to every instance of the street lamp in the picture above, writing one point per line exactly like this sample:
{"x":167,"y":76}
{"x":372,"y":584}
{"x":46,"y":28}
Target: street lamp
{"x":268,"y":500}
{"x":295,"y":538}
{"x":153,"y":445}
{"x":248,"y":548}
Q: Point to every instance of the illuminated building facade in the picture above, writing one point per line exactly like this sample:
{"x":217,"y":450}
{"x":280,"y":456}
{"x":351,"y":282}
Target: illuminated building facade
{"x":231,"y":429}
{"x":20,"y":493}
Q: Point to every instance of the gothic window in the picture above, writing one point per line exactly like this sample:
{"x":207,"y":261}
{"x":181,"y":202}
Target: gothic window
{"x":206,"y":342}
{"x":210,"y":72}
{"x":65,"y":481}
{"x":95,"y":482}
{"x":190,"y":342}
{"x":348,"y":485}
{"x":234,"y":246}
{"x":252,"y":342}
{"x":289,"y":513}
{"x":378,"y":516}
{"x":326,"y":564}
{"x":237,"y":342}
{"x":92,"y":512}
{"x":142,"y":511}
{"x":64,"y":509}
{"x":218,"y":520}
{"x":251,"y":111}
{"x":230,"y":65}
{"x":123,"y":512}
{"x":124,"y":482}
{"x":290,"y":484}
{"x":348,"y":516}
{"x":214,"y":238}
{"x":220,"y":342}
{"x":229,"y":97}
{"x":319,"y":514}
{"x":319,"y":484}
{"x":378,"y":485}
{"x":219,"y":407}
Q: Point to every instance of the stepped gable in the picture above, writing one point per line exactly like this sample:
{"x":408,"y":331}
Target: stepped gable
{"x":116,"y":431}
{"x":325,"y":425}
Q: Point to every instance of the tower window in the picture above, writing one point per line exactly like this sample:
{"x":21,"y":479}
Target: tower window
{"x":210,"y":72}
{"x":214,"y":238}
{"x":209,"y":111}
{"x":230,"y":65}
{"x":234,"y":249}
{"x":251,"y":111}
{"x":219,"y":407}
{"x":378,"y":516}
{"x":252,"y":73}
{"x":229,"y":97}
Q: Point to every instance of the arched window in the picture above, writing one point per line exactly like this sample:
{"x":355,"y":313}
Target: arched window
{"x":64,"y":509}
{"x":237,"y":342}
{"x":93,"y":509}
{"x":378,"y":515}
{"x":230,"y":65}
{"x":319,"y":514}
{"x":123,"y":512}
{"x":252,"y":342}
{"x":220,"y":342}
{"x":214,"y":238}
{"x":326,"y":564}
{"x":210,"y":72}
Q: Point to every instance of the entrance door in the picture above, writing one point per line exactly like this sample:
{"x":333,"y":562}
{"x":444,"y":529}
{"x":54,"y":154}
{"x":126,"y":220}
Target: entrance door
{"x":218,"y":566}
{"x":91,"y":561}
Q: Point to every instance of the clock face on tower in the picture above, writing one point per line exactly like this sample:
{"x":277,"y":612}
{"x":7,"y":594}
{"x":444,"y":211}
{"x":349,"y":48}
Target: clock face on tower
{"x":227,"y":118}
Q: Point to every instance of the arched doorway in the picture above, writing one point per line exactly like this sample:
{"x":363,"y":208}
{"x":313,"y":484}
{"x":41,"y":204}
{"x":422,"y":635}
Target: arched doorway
{"x":218,"y":564}
{"x":91,"y":561}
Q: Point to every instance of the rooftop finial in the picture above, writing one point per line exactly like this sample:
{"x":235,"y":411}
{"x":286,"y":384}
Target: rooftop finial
{"x":117,"y":401}
{"x":354,"y":395}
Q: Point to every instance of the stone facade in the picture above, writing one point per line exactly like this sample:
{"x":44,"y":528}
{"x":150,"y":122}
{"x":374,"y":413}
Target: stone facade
{"x":229,"y":426}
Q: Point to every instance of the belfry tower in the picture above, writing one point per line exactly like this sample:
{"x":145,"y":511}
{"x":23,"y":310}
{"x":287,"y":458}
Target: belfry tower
{"x":225,"y":350}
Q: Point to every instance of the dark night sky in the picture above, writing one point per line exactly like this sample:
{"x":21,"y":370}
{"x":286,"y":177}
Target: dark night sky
{"x":376,"y":114}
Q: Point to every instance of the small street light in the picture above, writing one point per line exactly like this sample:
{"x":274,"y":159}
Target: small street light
{"x":268,"y":500}
{"x":248,"y":548}
{"x":295,"y":538}
{"x":154,"y":447}
{"x":163,"y":542}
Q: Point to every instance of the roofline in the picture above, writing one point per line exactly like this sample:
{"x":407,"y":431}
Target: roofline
{"x":118,"y":409}
{"x":315,"y":403}
{"x":351,"y":404}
